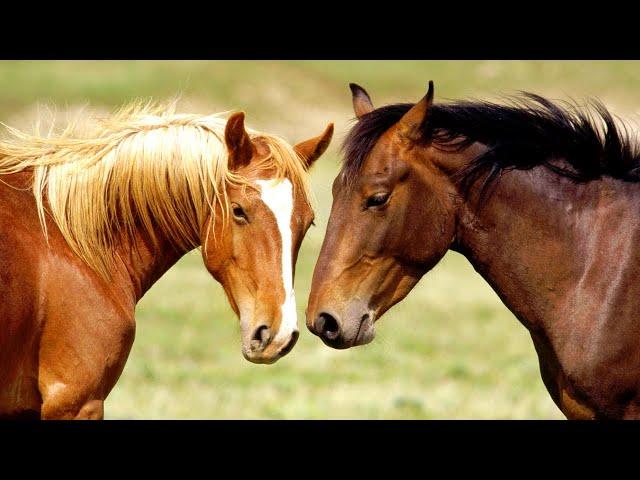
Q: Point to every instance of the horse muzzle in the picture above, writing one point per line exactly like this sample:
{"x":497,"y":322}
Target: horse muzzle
{"x":262,"y":346}
{"x":355,"y":327}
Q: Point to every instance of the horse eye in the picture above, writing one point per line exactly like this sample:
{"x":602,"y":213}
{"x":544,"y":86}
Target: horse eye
{"x":238,"y":212}
{"x":377,"y":200}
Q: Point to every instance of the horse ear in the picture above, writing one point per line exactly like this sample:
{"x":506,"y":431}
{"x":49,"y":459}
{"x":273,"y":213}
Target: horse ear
{"x":310,"y":150}
{"x":362,"y":103}
{"x":238,"y":142}
{"x":412,"y":123}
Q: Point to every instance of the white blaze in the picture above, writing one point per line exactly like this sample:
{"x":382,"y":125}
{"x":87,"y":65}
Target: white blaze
{"x":278,"y":196}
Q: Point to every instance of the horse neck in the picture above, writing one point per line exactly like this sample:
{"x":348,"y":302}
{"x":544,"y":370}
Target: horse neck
{"x":537,"y":236}
{"x":142,"y":261}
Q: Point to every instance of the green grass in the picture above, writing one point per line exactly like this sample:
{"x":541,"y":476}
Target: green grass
{"x":449,"y":350}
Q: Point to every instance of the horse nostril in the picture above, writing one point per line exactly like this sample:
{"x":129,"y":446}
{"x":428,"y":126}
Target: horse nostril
{"x":318,"y":325}
{"x":327,"y":326}
{"x":261,"y":338}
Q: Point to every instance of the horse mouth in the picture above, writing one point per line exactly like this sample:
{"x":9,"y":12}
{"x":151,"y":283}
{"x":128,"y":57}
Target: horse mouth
{"x":289,"y":346}
{"x":365,"y":331}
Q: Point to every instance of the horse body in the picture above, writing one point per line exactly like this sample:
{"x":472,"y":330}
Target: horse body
{"x":26,"y":288}
{"x":67,"y":326}
{"x":543,"y":201}
{"x":66,"y":331}
{"x":572,"y":281}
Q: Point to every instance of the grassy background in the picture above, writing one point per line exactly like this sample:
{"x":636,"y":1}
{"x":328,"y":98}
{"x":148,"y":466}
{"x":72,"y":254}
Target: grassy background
{"x":450,"y":350}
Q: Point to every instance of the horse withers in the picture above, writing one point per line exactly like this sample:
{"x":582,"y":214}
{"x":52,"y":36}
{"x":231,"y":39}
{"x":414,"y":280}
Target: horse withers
{"x":543,"y":200}
{"x":89,"y":222}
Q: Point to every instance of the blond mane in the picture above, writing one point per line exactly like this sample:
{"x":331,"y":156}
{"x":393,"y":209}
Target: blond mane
{"x":144,"y":166}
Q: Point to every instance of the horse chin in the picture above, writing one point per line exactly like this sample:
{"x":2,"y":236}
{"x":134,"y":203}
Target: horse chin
{"x":260,"y":358}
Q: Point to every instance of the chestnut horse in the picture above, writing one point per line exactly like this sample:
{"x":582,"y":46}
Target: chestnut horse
{"x":542,"y":198}
{"x":89,"y":222}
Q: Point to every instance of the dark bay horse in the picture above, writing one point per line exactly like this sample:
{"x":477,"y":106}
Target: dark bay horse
{"x":542,"y":198}
{"x":89,"y":222}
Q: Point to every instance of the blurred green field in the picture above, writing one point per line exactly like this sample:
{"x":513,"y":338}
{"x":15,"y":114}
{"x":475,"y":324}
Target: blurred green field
{"x":450,"y":350}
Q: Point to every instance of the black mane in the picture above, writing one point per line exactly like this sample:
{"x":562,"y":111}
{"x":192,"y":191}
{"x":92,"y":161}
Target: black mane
{"x":527,"y":131}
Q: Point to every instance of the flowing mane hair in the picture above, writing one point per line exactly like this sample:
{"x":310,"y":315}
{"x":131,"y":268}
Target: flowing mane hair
{"x":527,"y":131}
{"x":144,"y":166}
